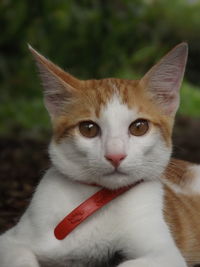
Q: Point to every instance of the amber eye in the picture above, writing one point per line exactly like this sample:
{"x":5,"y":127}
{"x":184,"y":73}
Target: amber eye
{"x":89,"y":129}
{"x":139,"y":127}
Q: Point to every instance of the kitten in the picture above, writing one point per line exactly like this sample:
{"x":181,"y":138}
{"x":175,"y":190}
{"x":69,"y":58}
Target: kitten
{"x":112,"y":133}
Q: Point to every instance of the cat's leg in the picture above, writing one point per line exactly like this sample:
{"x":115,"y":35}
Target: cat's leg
{"x":146,"y":239}
{"x":150,"y":244}
{"x":165,"y":255}
{"x":156,"y":261}
{"x":15,"y":254}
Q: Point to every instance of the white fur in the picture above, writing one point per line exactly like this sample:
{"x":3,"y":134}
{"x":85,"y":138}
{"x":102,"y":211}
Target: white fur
{"x":194,"y":184}
{"x":190,"y":186}
{"x":133,"y":223}
{"x":84,"y":159}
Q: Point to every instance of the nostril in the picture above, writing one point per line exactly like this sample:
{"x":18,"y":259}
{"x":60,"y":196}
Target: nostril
{"x":115,"y":159}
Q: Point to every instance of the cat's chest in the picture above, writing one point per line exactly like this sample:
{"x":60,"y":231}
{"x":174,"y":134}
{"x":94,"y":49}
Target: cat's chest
{"x":104,"y":236}
{"x":94,"y":243}
{"x":96,"y":240}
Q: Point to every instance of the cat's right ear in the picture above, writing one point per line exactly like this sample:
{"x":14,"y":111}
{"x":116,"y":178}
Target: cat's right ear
{"x":58,"y":85}
{"x":163,"y":80}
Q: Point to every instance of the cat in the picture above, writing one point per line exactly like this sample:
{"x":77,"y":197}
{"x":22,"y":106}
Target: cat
{"x":112,"y":133}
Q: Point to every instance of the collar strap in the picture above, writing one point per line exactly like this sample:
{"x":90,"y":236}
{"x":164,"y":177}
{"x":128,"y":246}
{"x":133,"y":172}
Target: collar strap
{"x":87,"y":208}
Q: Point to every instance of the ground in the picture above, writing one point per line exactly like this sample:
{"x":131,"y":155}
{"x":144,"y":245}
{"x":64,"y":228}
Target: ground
{"x":24,"y":160}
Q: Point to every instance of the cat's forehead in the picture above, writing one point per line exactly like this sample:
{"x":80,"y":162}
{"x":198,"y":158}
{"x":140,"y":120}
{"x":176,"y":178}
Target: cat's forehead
{"x":99,"y":94}
{"x":108,"y":101}
{"x":111,"y":95}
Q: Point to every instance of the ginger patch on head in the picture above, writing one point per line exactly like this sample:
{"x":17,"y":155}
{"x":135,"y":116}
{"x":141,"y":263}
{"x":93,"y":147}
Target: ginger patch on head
{"x":155,"y":95}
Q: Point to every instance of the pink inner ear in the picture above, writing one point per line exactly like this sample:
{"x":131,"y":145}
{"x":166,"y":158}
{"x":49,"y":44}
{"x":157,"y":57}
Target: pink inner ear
{"x":54,"y":104}
{"x":58,"y":85}
{"x":56,"y":91}
{"x":164,"y":79}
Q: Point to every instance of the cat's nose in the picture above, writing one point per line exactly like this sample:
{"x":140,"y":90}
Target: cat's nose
{"x":115,"y":159}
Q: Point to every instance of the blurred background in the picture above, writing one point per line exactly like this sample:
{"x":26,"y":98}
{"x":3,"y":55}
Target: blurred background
{"x":90,"y":39}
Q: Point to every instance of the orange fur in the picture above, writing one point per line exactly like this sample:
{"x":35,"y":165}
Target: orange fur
{"x":89,"y":97}
{"x":181,"y":209}
{"x":179,"y":173}
{"x":95,"y":94}
{"x":182,"y":216}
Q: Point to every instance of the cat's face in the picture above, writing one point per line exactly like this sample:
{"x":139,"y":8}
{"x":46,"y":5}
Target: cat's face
{"x":113,"y":132}
{"x":112,"y":141}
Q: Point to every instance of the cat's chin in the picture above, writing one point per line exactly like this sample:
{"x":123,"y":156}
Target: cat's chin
{"x":115,"y":180}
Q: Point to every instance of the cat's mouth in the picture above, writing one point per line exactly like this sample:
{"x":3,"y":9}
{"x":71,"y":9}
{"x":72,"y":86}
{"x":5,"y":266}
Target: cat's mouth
{"x":115,"y":172}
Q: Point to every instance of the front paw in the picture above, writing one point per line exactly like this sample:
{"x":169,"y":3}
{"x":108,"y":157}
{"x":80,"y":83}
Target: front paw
{"x":19,"y":264}
{"x":137,"y":263}
{"x":18,"y":259}
{"x":158,"y":262}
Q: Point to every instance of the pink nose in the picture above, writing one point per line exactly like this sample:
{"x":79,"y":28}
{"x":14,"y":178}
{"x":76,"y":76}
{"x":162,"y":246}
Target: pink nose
{"x":115,"y":159}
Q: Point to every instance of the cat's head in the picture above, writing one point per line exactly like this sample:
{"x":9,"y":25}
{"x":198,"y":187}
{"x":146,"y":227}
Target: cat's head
{"x":113,"y":132}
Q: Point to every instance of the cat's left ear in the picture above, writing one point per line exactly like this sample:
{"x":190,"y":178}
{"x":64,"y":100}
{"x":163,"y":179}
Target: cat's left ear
{"x":163,"y":80}
{"x":59,"y":86}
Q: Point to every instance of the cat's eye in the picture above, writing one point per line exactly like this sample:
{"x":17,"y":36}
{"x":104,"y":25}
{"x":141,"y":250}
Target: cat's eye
{"x":89,"y":129}
{"x":139,"y":127}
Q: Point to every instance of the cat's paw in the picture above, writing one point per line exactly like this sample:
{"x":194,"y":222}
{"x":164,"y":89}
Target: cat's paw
{"x":136,"y":263}
{"x":144,"y":262}
{"x":18,"y":257}
{"x":19,"y":263}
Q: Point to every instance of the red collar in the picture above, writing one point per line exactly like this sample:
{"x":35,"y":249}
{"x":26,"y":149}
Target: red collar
{"x":87,"y":208}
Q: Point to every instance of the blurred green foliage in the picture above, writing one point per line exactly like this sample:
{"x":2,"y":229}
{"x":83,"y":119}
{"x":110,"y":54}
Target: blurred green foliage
{"x":92,"y":39}
{"x":190,"y":100}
